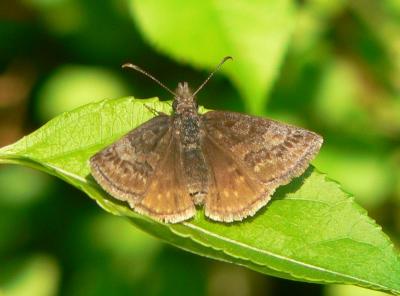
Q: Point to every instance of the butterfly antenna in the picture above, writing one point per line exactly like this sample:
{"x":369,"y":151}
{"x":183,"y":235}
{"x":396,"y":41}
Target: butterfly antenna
{"x":137,"y":68}
{"x":212,"y":73}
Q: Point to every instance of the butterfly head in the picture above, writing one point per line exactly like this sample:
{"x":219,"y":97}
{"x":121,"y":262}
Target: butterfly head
{"x":184,"y":99}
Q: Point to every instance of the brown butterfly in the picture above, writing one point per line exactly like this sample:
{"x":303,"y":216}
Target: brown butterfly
{"x":230,"y":163}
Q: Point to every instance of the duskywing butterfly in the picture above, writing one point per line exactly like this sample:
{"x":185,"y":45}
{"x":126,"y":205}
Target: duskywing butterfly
{"x":229,"y":162}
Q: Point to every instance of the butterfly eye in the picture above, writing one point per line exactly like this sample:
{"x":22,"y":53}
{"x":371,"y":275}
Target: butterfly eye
{"x":174,"y":105}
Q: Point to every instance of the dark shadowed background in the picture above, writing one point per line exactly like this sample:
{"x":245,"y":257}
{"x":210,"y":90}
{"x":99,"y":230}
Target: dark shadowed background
{"x":329,"y":66}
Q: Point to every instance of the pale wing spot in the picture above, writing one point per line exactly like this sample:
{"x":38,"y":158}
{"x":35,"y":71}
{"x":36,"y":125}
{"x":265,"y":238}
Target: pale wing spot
{"x":235,"y":193}
{"x":218,"y":134}
{"x":124,"y":152}
{"x":240,"y":149}
{"x":274,"y":139}
{"x":140,"y":178}
{"x":159,"y":196}
{"x":226,"y":193}
{"x":231,"y":169}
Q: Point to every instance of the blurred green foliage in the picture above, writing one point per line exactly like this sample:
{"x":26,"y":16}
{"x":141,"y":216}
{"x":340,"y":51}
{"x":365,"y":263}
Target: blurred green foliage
{"x":331,"y":66}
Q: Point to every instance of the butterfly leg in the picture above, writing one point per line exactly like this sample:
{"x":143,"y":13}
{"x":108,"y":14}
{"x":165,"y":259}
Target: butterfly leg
{"x":154,"y":111}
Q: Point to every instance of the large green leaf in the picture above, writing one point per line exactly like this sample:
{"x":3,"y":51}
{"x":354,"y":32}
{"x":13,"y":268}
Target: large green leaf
{"x":255,"y":33}
{"x":311,"y":230}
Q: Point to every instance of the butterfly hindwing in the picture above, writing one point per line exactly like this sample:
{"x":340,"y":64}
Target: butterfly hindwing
{"x":167,"y":198}
{"x":234,"y":193}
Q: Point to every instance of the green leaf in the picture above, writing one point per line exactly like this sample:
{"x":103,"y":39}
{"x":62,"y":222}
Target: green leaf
{"x":255,"y":33}
{"x":310,"y":231}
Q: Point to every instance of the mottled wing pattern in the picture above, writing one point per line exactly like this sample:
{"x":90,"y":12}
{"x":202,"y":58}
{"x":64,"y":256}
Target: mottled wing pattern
{"x":125,"y":168}
{"x":268,"y":151}
{"x":167,"y":198}
{"x":143,"y":168}
{"x":233,"y":193}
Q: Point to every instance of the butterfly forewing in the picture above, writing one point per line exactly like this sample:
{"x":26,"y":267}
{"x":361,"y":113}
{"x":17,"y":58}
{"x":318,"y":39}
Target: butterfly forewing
{"x":270,"y":151}
{"x":125,"y":168}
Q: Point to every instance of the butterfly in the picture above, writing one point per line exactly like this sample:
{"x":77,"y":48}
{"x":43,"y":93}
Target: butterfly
{"x":229,"y":163}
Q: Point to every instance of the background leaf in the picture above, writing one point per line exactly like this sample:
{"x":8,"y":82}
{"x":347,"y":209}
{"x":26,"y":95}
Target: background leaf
{"x":311,"y":231}
{"x":255,"y":33}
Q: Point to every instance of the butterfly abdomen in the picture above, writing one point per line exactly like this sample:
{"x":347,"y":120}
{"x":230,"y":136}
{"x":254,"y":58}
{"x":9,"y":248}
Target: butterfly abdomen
{"x":195,"y":171}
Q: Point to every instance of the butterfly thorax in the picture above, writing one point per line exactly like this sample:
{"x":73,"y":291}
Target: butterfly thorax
{"x":186,"y":120}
